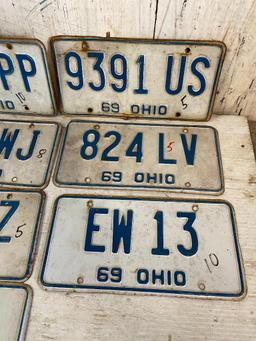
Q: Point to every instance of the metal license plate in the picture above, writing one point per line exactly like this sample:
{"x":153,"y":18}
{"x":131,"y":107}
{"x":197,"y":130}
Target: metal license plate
{"x":140,"y":78}
{"x":169,"y":246}
{"x":148,"y":156}
{"x":14,"y":311}
{"x":19,"y":224}
{"x":26,"y":152}
{"x":25,"y":85}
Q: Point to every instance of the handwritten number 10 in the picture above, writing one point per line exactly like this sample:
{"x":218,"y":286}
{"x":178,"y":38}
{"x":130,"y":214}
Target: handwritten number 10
{"x":118,"y":66}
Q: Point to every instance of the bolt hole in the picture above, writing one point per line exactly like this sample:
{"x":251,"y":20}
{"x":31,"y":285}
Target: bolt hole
{"x":242,"y":145}
{"x":187,"y":50}
{"x":90,"y":110}
{"x":178,"y":114}
{"x":9,"y":196}
{"x":26,"y":107}
{"x":31,"y":125}
{"x":9,"y":46}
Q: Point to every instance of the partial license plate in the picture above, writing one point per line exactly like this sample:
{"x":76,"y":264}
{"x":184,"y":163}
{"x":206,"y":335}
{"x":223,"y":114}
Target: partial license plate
{"x":141,"y":78}
{"x":26,"y":152}
{"x":148,"y":156}
{"x":184,"y":247}
{"x":14,"y":311}
{"x":19,"y":223}
{"x":25,"y":85}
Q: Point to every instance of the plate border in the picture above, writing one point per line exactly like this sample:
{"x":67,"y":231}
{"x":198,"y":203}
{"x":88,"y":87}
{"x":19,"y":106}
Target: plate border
{"x":51,"y":161}
{"x":241,"y":294}
{"x":27,"y":306}
{"x":216,"y":43}
{"x":30,"y":262}
{"x":184,"y":189}
{"x":39,"y":43}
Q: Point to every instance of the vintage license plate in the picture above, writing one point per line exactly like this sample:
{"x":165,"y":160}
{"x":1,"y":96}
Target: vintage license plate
{"x":26,"y":152}
{"x":14,"y":311}
{"x":148,"y":156}
{"x":25,"y":85}
{"x":141,"y":78}
{"x":19,"y":224}
{"x":167,"y":246}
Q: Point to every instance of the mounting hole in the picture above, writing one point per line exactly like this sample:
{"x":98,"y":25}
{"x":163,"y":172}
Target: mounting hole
{"x":9,"y":46}
{"x":26,"y":107}
{"x":242,"y":145}
{"x":178,"y":114}
{"x":187,"y":50}
{"x":9,"y":196}
{"x":90,"y":110}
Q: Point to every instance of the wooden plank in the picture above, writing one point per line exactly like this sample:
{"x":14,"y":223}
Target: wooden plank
{"x":84,"y":316}
{"x":46,"y":18}
{"x":230,"y":21}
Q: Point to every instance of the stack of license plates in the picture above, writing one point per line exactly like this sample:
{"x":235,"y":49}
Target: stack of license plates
{"x":109,"y":120}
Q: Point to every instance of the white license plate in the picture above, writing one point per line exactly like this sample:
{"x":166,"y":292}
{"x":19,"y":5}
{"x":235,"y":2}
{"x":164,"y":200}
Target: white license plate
{"x":169,"y":246}
{"x":25,"y":85}
{"x":26,"y":152}
{"x":19,"y":224}
{"x":148,"y":156}
{"x":141,"y":78}
{"x":14,"y":311}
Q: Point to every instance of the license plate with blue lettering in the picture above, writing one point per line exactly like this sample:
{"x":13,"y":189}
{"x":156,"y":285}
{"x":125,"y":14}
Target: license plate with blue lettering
{"x":138,"y":78}
{"x":25,"y":85}
{"x":20,"y":213}
{"x":26,"y":152}
{"x":14,"y":311}
{"x":144,"y":156}
{"x":168,"y":246}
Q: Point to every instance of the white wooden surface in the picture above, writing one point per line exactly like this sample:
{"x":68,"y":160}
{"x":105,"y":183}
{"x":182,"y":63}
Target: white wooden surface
{"x":105,"y":316}
{"x":227,"y":20}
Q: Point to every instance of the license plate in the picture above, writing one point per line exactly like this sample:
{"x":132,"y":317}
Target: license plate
{"x":26,"y":152}
{"x":14,"y":311}
{"x":139,"y":78}
{"x":25,"y":85}
{"x":19,"y":223}
{"x":169,"y":246}
{"x":148,"y":156}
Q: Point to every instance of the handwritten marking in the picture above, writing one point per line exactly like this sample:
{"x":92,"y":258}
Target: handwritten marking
{"x":169,"y":147}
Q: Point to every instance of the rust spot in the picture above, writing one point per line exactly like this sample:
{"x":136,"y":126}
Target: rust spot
{"x":85,"y":46}
{"x":9,"y":46}
{"x":187,"y":50}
